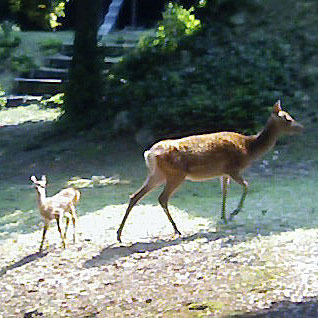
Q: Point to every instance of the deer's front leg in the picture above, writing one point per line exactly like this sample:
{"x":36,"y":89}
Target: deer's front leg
{"x":244,"y":184}
{"x":46,"y":224}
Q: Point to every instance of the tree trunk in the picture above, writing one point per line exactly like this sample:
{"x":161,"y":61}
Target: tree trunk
{"x":83,"y":92}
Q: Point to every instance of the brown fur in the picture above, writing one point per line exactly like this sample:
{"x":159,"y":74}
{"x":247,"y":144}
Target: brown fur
{"x":202,"y":157}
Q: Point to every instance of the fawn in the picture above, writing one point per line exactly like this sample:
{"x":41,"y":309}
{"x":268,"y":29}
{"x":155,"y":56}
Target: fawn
{"x":55,"y":207}
{"x":203,"y":157}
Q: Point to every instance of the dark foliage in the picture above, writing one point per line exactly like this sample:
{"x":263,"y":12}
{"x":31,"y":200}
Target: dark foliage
{"x":219,"y":79}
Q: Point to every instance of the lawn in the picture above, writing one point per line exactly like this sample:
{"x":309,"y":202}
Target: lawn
{"x":281,"y":195}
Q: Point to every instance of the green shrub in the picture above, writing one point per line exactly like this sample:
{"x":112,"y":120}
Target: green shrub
{"x":228,"y":87}
{"x":176,"y":24}
{"x":54,"y":101}
{"x":8,"y":35}
{"x":217,"y":79}
{"x":10,"y":60}
{"x":22,"y":63}
{"x":50,"y":46}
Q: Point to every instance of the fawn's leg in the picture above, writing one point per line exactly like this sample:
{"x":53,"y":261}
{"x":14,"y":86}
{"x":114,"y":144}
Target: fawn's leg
{"x":46,"y":225}
{"x":225,"y":181}
{"x":171,"y":186}
{"x":151,"y":182}
{"x":236,"y":177}
{"x":74,"y":218}
{"x":57,"y":218}
{"x":66,"y":226}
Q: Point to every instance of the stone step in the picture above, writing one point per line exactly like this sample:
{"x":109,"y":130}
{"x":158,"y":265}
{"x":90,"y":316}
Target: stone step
{"x":67,"y":49}
{"x":117,"y":49}
{"x":58,"y":61}
{"x":32,"y":86}
{"x":49,"y":72}
{"x":22,"y":100}
{"x":49,"y":78}
{"x":110,"y":61}
{"x":107,"y":49}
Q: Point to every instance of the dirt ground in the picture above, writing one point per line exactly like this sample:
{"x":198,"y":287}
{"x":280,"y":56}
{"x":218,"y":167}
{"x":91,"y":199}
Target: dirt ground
{"x":212,"y":270}
{"x":207,"y":272}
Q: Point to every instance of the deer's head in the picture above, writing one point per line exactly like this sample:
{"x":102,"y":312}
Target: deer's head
{"x":284,"y":122}
{"x":40,"y":184}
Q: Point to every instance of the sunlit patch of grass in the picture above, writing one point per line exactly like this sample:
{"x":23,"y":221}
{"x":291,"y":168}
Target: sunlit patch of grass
{"x":34,"y":113}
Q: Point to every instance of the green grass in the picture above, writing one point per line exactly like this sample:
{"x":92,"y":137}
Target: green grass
{"x":281,"y":200}
{"x":31,"y":40}
{"x":33,"y":113}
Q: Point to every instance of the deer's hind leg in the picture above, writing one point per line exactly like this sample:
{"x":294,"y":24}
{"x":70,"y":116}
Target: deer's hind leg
{"x":57,"y":218}
{"x":74,"y":219}
{"x":171,"y":186}
{"x":67,"y":221}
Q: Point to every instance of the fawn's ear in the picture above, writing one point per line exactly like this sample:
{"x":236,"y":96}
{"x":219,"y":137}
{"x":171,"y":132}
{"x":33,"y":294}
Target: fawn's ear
{"x":277,"y":107}
{"x":43,"y":178}
{"x":33,"y":179}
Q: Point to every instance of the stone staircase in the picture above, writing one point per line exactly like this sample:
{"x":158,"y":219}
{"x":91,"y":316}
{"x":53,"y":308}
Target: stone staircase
{"x":110,"y":18}
{"x":50,"y":78}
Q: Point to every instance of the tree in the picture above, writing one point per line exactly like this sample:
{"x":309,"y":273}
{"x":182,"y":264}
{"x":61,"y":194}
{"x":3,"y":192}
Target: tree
{"x":83,"y":92}
{"x":36,"y":14}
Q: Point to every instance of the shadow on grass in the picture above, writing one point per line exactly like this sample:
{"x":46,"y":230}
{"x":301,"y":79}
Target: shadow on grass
{"x":23,"y":261}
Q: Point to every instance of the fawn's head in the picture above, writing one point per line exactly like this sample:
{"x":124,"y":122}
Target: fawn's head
{"x":39,"y":184}
{"x":284,"y":122}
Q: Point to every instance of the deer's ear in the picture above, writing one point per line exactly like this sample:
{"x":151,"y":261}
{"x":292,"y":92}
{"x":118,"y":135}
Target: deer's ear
{"x":43,"y":178}
{"x":277,"y":107}
{"x":33,"y":179}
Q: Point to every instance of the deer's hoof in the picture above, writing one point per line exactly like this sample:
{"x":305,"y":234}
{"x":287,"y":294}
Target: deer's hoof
{"x":234,"y":213}
{"x":222,"y":221}
{"x":119,"y":237}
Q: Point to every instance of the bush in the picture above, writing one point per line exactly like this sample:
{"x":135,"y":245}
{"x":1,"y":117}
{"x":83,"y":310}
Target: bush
{"x":8,"y":35}
{"x":226,"y":89}
{"x":54,"y":101}
{"x":30,"y":13}
{"x":217,"y":79}
{"x":10,"y":60}
{"x":50,"y":46}
{"x":176,"y":24}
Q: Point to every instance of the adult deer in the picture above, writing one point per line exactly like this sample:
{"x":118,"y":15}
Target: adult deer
{"x":203,"y":157}
{"x":55,"y":207}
